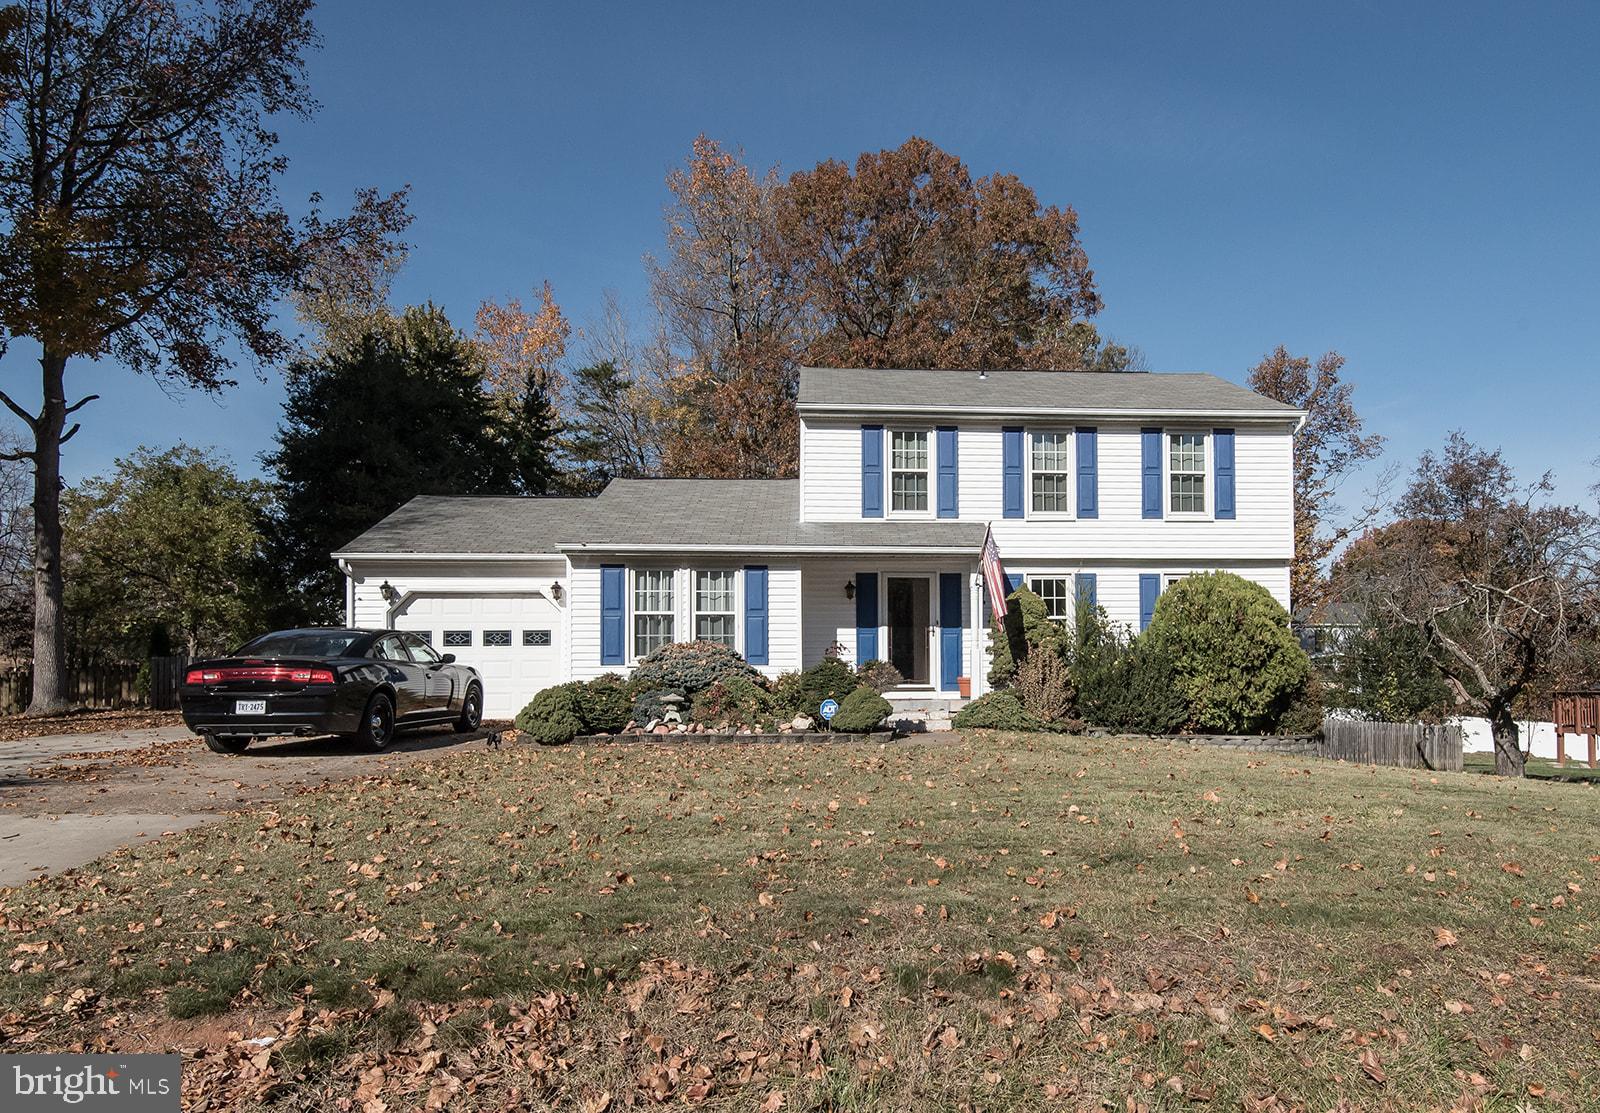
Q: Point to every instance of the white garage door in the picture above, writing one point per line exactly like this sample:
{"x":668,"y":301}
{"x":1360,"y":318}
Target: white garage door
{"x":514,"y":641}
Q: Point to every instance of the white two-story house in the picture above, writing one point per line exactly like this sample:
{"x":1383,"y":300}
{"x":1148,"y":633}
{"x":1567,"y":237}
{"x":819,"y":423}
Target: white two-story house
{"x":1098,"y":487}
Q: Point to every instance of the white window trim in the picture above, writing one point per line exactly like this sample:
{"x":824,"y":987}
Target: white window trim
{"x":734,"y":597}
{"x":889,"y":469}
{"x":1027,"y":475}
{"x":1071,"y":578}
{"x":1170,"y":578}
{"x":1208,"y":482}
{"x":675,"y":613}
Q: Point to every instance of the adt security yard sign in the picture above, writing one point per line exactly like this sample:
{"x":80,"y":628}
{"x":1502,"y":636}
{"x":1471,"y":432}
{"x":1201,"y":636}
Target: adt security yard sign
{"x":829,"y":708}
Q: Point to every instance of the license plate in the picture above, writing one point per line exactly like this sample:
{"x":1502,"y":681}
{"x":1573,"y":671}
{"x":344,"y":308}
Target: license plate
{"x":250,"y":707}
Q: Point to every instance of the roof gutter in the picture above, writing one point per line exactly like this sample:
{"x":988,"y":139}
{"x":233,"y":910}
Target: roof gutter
{"x":653,"y":547}
{"x":835,"y":409}
{"x":400,"y":554}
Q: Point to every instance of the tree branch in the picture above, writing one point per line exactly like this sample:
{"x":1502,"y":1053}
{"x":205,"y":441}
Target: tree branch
{"x":27,"y":418}
{"x":80,"y":403}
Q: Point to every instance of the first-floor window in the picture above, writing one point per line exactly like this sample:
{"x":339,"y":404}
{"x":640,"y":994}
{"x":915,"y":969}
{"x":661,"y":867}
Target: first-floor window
{"x":1053,"y":590}
{"x":713,"y":607}
{"x":653,"y":610}
{"x":1186,"y":473}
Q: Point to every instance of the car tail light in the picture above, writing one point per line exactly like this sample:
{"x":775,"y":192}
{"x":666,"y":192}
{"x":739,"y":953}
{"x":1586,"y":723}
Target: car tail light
{"x":299,"y":674}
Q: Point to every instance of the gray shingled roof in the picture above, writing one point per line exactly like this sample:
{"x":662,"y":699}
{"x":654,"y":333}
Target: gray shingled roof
{"x":646,"y":514}
{"x":1063,"y":391}
{"x":743,"y":513}
{"x":473,"y":524}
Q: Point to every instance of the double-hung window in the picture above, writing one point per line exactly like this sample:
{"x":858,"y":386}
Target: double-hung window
{"x":1048,"y":465}
{"x":1186,"y":473}
{"x":653,"y":610}
{"x":908,"y":471}
{"x":713,"y":607}
{"x":1054,"y":590}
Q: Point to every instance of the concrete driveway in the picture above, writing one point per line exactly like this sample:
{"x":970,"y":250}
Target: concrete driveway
{"x":67,"y":799}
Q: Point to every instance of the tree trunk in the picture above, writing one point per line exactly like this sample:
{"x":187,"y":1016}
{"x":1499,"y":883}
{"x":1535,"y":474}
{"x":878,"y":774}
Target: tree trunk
{"x":49,"y":617}
{"x":1507,"y":744}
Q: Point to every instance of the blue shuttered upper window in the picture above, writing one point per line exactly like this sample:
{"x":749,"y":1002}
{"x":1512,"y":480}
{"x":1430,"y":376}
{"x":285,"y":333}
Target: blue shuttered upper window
{"x":1150,"y":472}
{"x":872,"y":471}
{"x":947,"y":454}
{"x":1088,"y":439}
{"x":1011,"y":479}
{"x":1222,"y":461}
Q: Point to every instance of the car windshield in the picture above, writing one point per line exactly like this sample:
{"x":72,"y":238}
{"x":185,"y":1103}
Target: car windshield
{"x":301,"y":643}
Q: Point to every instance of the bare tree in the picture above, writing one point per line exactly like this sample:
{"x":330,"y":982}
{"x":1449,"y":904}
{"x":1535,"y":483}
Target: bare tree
{"x":139,"y":217}
{"x":1498,"y":580}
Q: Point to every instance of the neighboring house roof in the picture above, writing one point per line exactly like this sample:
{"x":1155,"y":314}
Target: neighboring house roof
{"x":647,"y":515}
{"x":1004,"y":393}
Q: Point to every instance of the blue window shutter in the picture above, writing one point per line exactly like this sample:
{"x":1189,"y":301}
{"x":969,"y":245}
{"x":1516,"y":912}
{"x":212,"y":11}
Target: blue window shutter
{"x":1222,"y":460}
{"x":1013,"y":581}
{"x":866,"y":617}
{"x":755,"y":614}
{"x":872,"y":471}
{"x":1150,"y":451}
{"x":1088,"y":439}
{"x":949,"y":629}
{"x":612,"y":589}
{"x":1149,"y":592}
{"x":949,"y":472}
{"x":1011,"y":452}
{"x":1088,"y":591}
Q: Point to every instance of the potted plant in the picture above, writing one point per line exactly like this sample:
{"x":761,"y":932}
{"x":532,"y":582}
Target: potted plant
{"x":964,"y":686}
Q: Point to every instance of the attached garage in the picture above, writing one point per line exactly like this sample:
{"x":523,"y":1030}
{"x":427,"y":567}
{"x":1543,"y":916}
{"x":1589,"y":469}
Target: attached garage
{"x":513,"y":640}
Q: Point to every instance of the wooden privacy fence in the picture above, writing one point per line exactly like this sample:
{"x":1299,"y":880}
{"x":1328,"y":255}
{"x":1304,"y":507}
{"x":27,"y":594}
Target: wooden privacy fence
{"x":1408,"y":745}
{"x":101,"y":686}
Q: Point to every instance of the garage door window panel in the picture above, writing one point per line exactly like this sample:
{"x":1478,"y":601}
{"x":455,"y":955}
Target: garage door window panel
{"x":654,"y":610}
{"x":497,"y":638}
{"x":714,"y":608}
{"x":457,"y":639}
{"x":536,"y":639}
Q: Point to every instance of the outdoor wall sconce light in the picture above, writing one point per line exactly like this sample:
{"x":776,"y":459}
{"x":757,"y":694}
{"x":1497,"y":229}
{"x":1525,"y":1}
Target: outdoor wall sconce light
{"x":389,"y":592}
{"x":849,"y":589}
{"x":556,"y":591}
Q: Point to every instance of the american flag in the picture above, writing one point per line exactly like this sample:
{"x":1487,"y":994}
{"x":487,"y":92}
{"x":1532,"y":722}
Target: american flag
{"x":994,"y":575}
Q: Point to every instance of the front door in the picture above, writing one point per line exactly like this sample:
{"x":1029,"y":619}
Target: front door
{"x":909,"y":618}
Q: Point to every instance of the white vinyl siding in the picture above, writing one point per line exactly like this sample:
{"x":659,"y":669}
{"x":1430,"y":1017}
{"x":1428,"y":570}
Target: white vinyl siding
{"x":714,"y":608}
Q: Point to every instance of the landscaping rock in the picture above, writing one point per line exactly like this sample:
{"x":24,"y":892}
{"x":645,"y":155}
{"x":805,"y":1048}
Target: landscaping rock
{"x":803,"y":722}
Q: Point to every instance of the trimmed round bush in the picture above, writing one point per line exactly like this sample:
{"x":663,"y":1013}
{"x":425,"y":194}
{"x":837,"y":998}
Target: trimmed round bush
{"x":995,"y":711}
{"x":690,"y":667}
{"x":553,"y":716}
{"x":1230,"y":648}
{"x":861,"y":710}
{"x":607,"y":704}
{"x":1026,"y":625}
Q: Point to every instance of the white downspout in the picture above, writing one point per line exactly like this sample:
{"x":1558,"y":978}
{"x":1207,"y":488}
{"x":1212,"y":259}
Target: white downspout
{"x":349,"y":591}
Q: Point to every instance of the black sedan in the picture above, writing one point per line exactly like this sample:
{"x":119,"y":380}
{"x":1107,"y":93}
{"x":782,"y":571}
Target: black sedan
{"x":360,"y":683}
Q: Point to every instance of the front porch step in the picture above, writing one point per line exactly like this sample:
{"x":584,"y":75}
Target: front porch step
{"x":916,"y":714}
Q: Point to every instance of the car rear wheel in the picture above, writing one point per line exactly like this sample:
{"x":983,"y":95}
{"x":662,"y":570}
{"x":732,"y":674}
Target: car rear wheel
{"x":227,"y":744}
{"x":377,"y":723}
{"x":471,"y":709}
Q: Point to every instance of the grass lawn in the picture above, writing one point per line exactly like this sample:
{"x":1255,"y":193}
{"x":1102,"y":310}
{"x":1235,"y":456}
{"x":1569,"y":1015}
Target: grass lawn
{"x":1539,"y":768}
{"x":1005,"y":922}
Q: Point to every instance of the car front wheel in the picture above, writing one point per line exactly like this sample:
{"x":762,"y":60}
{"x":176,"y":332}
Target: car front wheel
{"x":377,"y":723}
{"x":471,"y":710}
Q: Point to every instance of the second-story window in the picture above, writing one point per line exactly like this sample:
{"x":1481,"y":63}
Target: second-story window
{"x":908,"y":471}
{"x":1186,"y":473}
{"x":1048,"y":465}
{"x":713,"y":607}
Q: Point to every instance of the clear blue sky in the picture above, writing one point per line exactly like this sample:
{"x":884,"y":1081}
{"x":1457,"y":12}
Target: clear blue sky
{"x":1417,"y":186}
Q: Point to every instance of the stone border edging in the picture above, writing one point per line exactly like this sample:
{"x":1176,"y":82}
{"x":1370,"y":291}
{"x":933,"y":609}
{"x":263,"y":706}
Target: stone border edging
{"x":831,"y":736}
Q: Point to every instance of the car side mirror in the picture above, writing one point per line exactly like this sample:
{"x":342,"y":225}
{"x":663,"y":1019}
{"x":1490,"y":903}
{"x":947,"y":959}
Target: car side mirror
{"x":447,"y":658}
